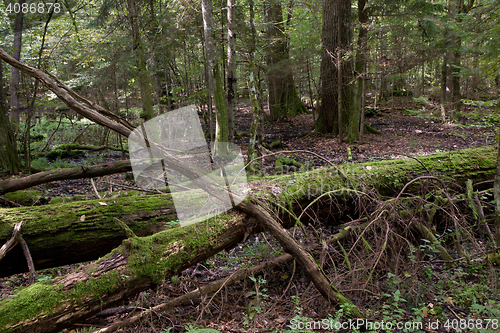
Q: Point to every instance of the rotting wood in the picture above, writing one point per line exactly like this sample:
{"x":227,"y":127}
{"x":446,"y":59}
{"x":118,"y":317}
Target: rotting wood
{"x":215,"y":286}
{"x":12,"y":241}
{"x":79,"y":231}
{"x":79,"y":172}
{"x":138,"y":264}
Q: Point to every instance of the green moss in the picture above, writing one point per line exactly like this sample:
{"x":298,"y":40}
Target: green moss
{"x":95,"y":288}
{"x":24,"y":198}
{"x":131,"y":193}
{"x":388,"y":176}
{"x":42,"y":298}
{"x":154,"y":255}
{"x":42,"y":219}
{"x":39,"y":298}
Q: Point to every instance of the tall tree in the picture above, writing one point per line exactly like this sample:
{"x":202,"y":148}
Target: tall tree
{"x":252,"y":87}
{"x":356,"y":118}
{"x":451,"y":70}
{"x":231,"y":67}
{"x":14,"y":86}
{"x":284,"y":100}
{"x":140,"y":55}
{"x":336,"y":40}
{"x":215,"y":83}
{"x":8,"y":150}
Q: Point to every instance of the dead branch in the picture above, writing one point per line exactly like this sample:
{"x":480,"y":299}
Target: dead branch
{"x":27,"y":255}
{"x":98,"y":170}
{"x":12,"y":241}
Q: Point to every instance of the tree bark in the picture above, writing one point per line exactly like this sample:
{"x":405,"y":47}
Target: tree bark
{"x":357,"y":117}
{"x":74,"y":101}
{"x":215,"y":83}
{"x":67,"y":233}
{"x":252,"y":89}
{"x":9,"y":158}
{"x":231,"y":68}
{"x":15,"y":77}
{"x":336,"y":15}
{"x":139,"y":52}
{"x":98,"y":170}
{"x":283,"y":98}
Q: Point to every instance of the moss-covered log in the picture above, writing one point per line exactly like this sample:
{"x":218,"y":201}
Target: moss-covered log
{"x":63,"y":174}
{"x":138,"y":264}
{"x":66,"y":233}
{"x":56,"y":235}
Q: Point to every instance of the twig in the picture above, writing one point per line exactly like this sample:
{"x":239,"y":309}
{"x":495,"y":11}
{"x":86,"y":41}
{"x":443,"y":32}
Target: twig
{"x":95,"y":189}
{"x":12,"y":241}
{"x":211,"y":287}
{"x":133,"y":188}
{"x":28,"y":257}
{"x":7,"y":201}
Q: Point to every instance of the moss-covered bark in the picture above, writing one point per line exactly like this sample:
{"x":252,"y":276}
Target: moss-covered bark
{"x":65,"y":233}
{"x":139,"y":263}
{"x":388,"y":177}
{"x":55,"y":230}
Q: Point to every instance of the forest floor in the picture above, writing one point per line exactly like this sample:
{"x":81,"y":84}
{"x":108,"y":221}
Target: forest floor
{"x":283,"y":296}
{"x":409,"y":129}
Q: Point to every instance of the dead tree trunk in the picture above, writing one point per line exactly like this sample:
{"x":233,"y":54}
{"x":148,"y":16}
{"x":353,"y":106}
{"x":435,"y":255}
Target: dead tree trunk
{"x":138,"y":264}
{"x":67,"y":233}
{"x":98,"y":170}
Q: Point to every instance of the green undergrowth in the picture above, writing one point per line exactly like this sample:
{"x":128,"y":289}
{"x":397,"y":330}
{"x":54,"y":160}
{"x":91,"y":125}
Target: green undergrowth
{"x":463,"y":298}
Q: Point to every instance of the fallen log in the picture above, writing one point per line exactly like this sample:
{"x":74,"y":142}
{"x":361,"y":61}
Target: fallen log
{"x":139,"y":263}
{"x":217,"y":285}
{"x":63,"y":174}
{"x":57,"y":236}
{"x":67,"y":233}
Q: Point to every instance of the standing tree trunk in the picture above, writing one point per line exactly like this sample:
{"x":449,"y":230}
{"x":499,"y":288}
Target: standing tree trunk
{"x":215,"y":83}
{"x":283,"y":98}
{"x":138,"y":50}
{"x":231,"y":67}
{"x":453,"y":55}
{"x":496,"y":195}
{"x":252,"y":88}
{"x":8,"y":151}
{"x":335,"y":12}
{"x":14,"y":87}
{"x":356,"y":119}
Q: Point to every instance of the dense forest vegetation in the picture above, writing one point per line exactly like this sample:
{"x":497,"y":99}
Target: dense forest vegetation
{"x":368,"y":178}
